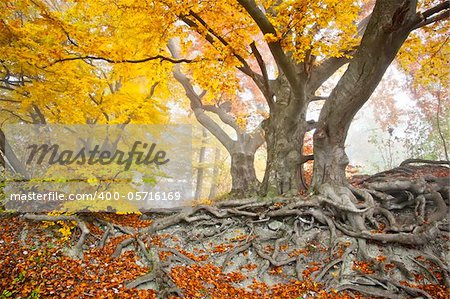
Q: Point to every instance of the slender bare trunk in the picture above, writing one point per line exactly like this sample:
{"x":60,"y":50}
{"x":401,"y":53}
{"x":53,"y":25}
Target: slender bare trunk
{"x":215,"y":175}
{"x":200,"y":168}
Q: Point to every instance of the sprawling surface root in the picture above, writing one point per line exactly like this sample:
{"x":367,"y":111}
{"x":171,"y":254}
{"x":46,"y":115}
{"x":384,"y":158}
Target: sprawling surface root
{"x":384,"y":236}
{"x":77,"y":249}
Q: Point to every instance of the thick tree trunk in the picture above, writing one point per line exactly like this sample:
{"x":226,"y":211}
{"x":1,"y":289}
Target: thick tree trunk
{"x":330,"y":161}
{"x":284,"y":157}
{"x":244,"y":181}
{"x":386,"y":31}
{"x":284,"y":131}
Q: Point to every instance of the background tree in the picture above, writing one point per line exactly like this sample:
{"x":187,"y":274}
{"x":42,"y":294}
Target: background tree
{"x":240,"y":144}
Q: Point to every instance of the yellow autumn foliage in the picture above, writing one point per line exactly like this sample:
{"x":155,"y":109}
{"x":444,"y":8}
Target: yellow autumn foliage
{"x":69,"y":57}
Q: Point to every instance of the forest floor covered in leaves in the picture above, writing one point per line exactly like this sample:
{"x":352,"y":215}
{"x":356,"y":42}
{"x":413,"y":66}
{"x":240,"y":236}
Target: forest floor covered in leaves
{"x":253,"y":248}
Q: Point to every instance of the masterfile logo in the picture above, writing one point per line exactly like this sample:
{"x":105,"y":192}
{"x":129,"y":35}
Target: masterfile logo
{"x":85,"y":164}
{"x":52,"y":154}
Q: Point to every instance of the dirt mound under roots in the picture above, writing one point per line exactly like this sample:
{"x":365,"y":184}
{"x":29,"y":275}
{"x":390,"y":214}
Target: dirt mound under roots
{"x":380,"y":236}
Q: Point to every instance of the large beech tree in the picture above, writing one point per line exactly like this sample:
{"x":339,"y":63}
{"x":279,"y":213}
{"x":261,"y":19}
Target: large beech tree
{"x":389,"y":26}
{"x":218,"y":42}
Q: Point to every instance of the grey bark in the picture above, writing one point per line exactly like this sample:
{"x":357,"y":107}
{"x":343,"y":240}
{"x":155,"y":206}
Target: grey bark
{"x":242,"y":150}
{"x":200,"y":168}
{"x":383,"y":32}
{"x":215,"y":175}
{"x":388,"y":28}
{"x":11,"y":162}
{"x":285,"y":129}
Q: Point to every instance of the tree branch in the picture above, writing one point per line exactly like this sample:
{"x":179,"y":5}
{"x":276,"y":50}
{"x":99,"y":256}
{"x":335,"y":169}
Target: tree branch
{"x":200,"y":114}
{"x":257,"y":138}
{"x":326,"y":69}
{"x":434,"y":19}
{"x":307,"y":158}
{"x":317,"y":98}
{"x":6,"y":88}
{"x":10,"y":159}
{"x":157,"y":57}
{"x":438,"y":8}
{"x":381,"y":42}
{"x":261,"y":81}
{"x":285,"y":64}
{"x":265,"y":77}
{"x":431,"y":15}
{"x":311,"y":125}
{"x":197,"y":106}
{"x":244,"y":68}
{"x":224,"y":116}
{"x":15,"y":115}
{"x":10,"y":101}
{"x":39,"y":114}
